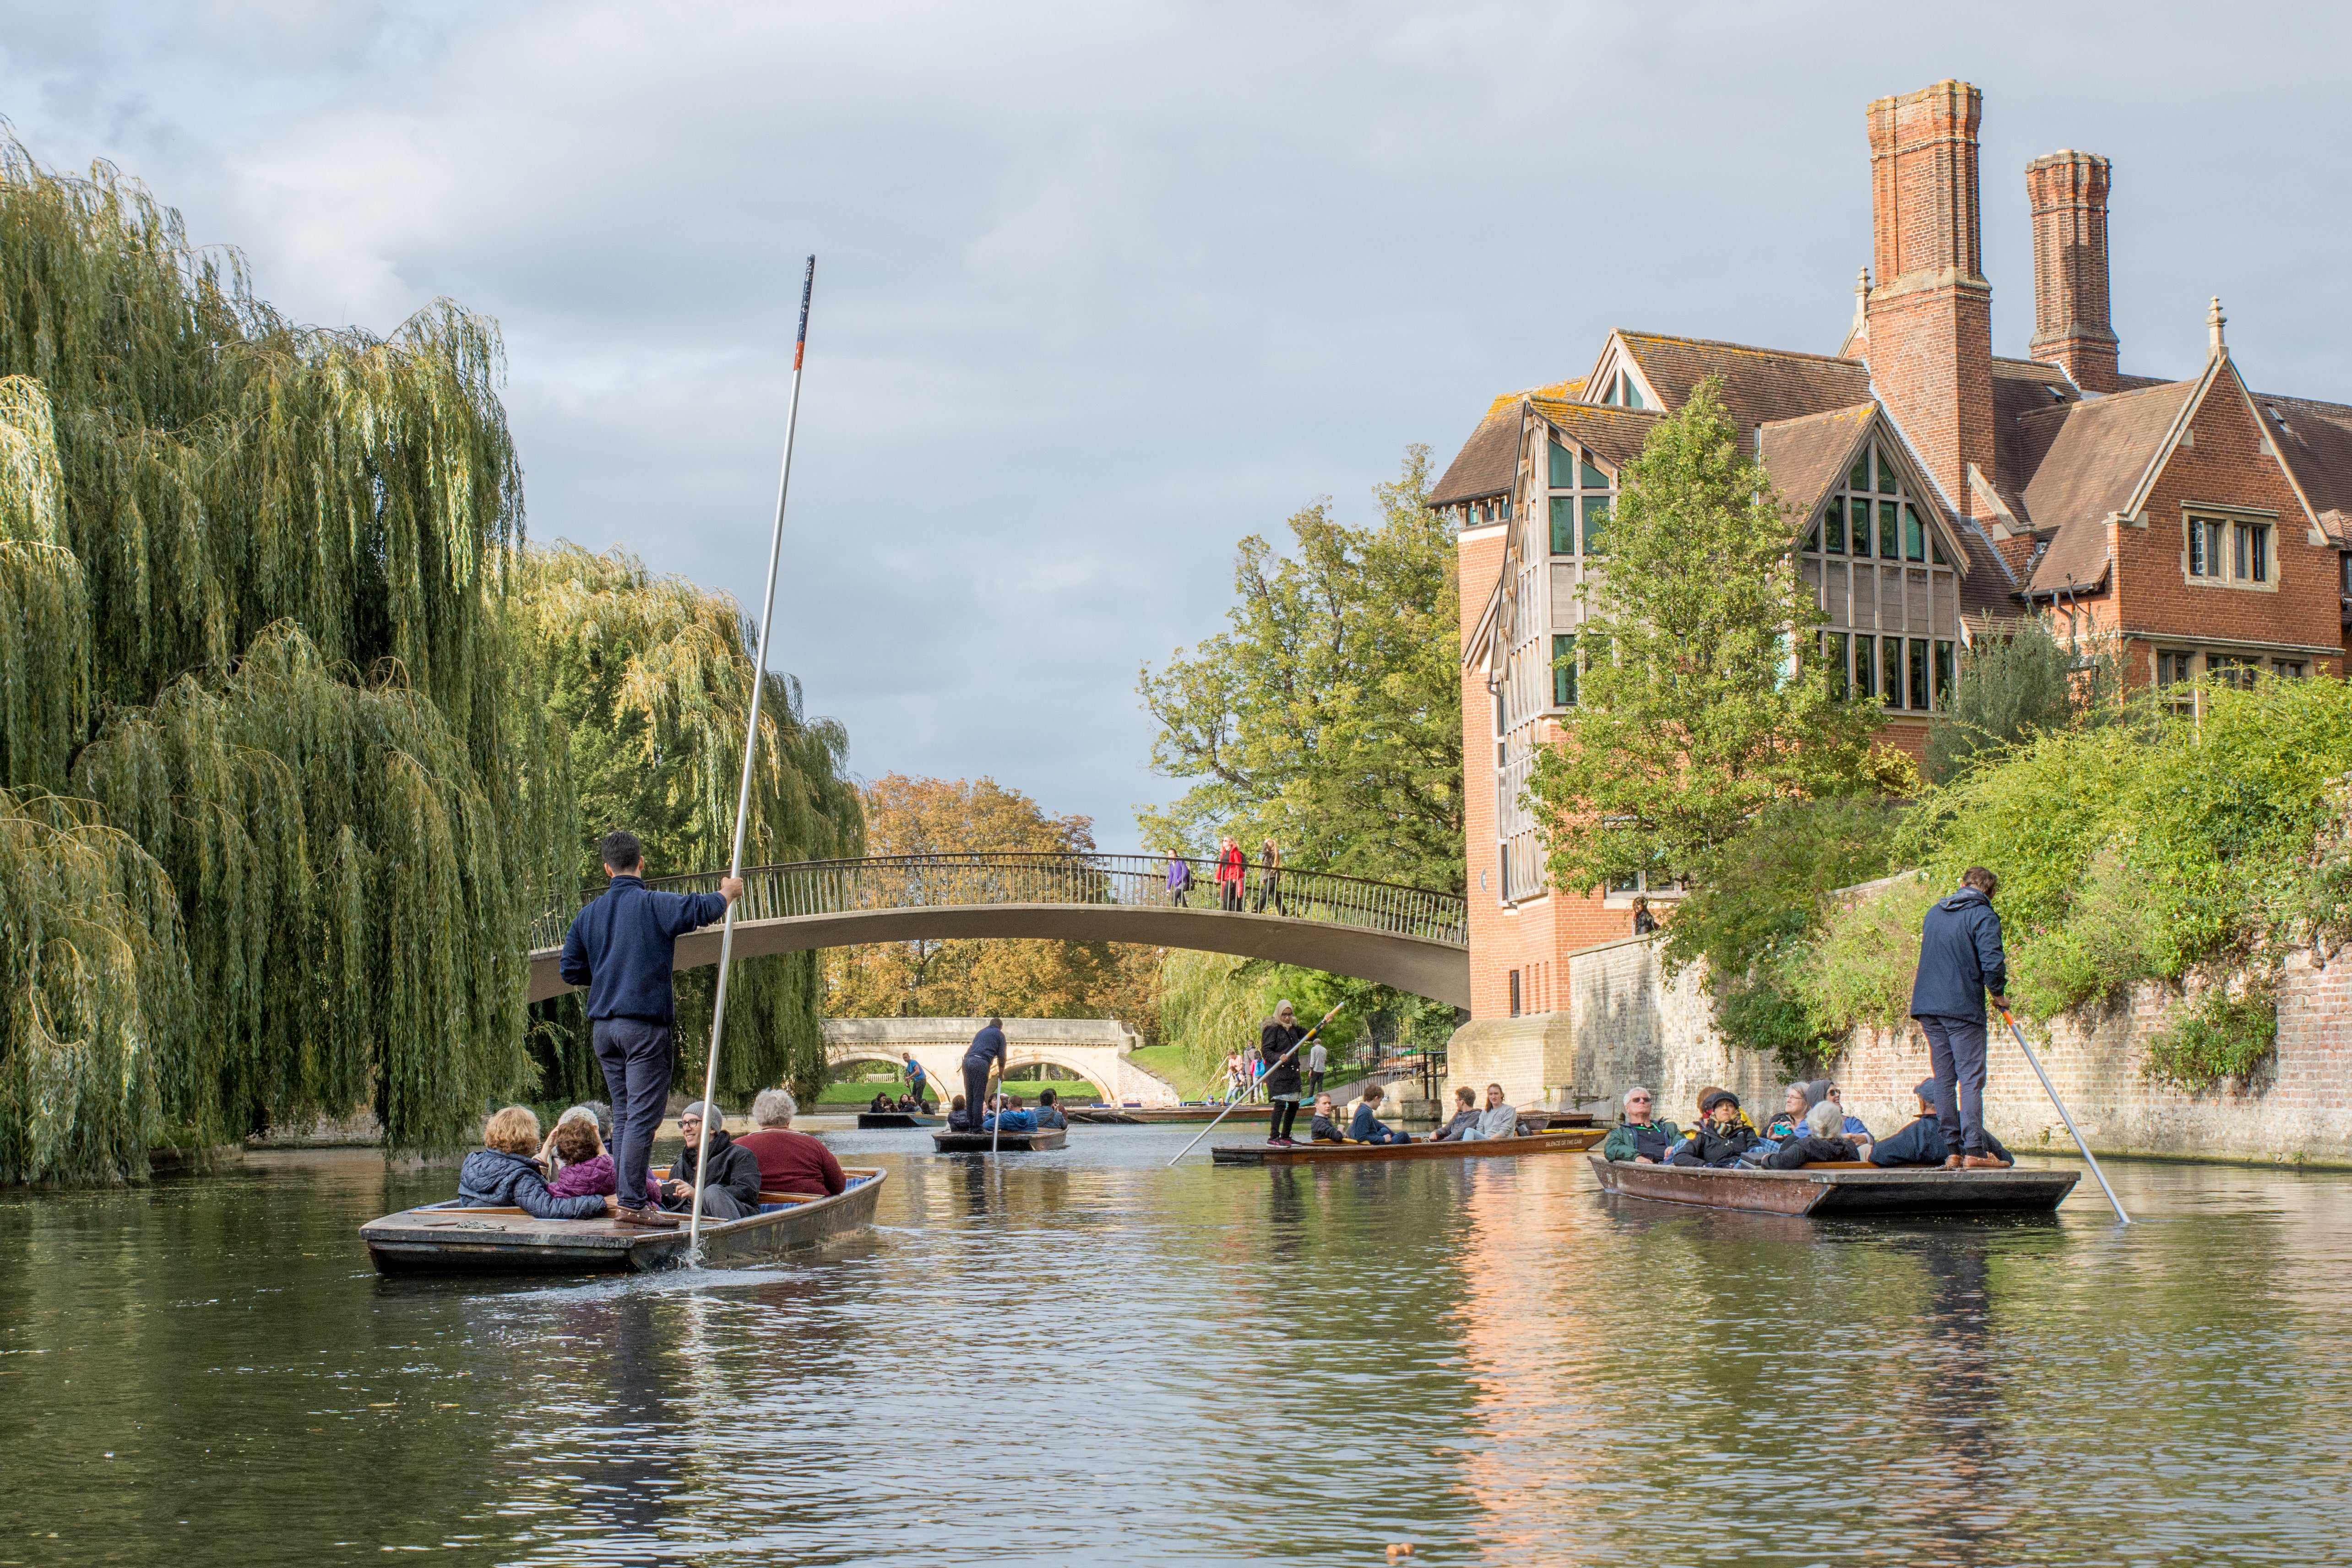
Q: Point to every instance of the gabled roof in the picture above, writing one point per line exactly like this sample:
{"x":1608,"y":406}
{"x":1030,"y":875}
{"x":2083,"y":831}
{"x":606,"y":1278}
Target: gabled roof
{"x":1615,"y":434}
{"x":1758,"y":385}
{"x":2085,"y":461}
{"x":1488,"y":463}
{"x":2315,"y":439}
{"x":1555,"y":391}
{"x":1807,"y":457}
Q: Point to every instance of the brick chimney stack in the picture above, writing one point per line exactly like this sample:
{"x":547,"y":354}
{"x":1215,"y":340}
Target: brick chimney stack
{"x":1930,"y":318}
{"x":2071,"y":328}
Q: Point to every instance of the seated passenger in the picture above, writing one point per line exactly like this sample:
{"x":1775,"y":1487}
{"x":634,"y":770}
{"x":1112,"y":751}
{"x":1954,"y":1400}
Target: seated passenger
{"x":1009,"y":1117}
{"x":1922,"y":1143}
{"x":1821,"y":1141}
{"x":586,"y":1169}
{"x":958,"y":1119}
{"x":1854,"y":1129}
{"x":1722,"y":1137}
{"x":881,"y":1103}
{"x":1367,"y":1128}
{"x":733,"y":1188}
{"x":1791,"y":1119}
{"x":1637,"y":1137}
{"x":502,"y":1174}
{"x":1049,"y":1110}
{"x":1498,"y":1119}
{"x":1325,"y":1127}
{"x":550,"y":1159}
{"x":1466,"y":1117}
{"x":788,"y":1161}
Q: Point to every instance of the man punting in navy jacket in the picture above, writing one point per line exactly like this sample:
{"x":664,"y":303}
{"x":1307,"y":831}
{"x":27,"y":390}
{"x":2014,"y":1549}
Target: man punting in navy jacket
{"x":1960,"y":959}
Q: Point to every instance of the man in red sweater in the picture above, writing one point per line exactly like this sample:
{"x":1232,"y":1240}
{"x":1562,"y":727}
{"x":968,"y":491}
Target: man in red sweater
{"x":789,"y":1161}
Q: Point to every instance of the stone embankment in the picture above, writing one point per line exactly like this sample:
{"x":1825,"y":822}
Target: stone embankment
{"x":1626,"y":1023}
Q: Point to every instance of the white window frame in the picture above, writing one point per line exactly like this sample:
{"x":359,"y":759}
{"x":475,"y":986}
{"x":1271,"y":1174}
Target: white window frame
{"x":2230,"y":521}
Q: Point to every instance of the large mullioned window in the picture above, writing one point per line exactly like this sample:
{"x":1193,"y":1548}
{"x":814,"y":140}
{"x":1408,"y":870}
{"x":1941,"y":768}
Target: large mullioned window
{"x":1889,"y":588}
{"x":1581,"y":502}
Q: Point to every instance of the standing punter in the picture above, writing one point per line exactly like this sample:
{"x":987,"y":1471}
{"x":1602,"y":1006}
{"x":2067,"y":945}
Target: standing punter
{"x":1277,"y":1052}
{"x":987,"y":1046}
{"x":622,"y":948}
{"x":914,"y":1077}
{"x":1960,"y":960}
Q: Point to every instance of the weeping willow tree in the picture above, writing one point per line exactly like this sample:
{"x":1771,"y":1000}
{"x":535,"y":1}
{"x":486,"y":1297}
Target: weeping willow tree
{"x":646,"y":680}
{"x":44,"y":599}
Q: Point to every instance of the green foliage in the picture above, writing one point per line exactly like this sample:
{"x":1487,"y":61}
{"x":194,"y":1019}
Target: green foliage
{"x":1210,"y":1004}
{"x":2011,"y":687}
{"x":2222,"y":1037}
{"x":44,"y":600}
{"x":1858,"y":972}
{"x":1330,"y":717}
{"x":100,"y":1034}
{"x":1696,"y":721}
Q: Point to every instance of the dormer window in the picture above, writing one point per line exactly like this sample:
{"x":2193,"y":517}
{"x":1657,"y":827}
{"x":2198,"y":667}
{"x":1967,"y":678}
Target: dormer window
{"x":1621,"y":391}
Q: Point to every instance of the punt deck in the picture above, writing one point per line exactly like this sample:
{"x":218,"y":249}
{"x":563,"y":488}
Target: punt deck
{"x":443,"y":1238}
{"x":1006,"y":1143}
{"x":1568,"y":1142}
{"x":1854,"y":1189}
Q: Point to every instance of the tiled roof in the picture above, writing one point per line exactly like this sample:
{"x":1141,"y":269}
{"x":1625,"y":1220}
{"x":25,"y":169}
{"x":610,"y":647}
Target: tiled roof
{"x":1987,"y":587}
{"x":1554,"y":392}
{"x":1488,"y":462}
{"x":1807,"y":456}
{"x":1759,"y":385}
{"x":2084,"y":461}
{"x":2315,"y":439}
{"x":2021,"y":387}
{"x":2139,"y":384}
{"x":1616,"y":434}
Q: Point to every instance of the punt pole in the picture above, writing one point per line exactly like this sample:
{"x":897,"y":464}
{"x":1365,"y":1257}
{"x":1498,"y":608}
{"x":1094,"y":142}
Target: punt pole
{"x":1285,"y":1056}
{"x":751,"y":747}
{"x":2062,"y":1116}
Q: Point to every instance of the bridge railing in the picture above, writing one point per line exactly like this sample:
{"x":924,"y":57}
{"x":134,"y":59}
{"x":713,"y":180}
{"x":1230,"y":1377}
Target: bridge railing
{"x":916,"y":882}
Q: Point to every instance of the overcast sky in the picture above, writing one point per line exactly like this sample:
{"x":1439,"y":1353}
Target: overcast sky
{"x":1103,"y":287}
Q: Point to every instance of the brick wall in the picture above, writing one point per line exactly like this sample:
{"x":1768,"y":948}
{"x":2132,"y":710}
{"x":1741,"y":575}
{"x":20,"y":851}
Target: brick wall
{"x":1625,"y":1024}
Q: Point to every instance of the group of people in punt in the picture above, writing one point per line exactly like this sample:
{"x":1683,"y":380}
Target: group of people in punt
{"x":1002,"y":1113}
{"x":1812,"y":1128}
{"x":571,"y":1174}
{"x":882,"y":1104}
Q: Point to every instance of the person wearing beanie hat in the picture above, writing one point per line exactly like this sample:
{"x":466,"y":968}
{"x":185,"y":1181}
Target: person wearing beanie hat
{"x":1723,"y":1138}
{"x":1922,"y":1143}
{"x":732,"y":1190}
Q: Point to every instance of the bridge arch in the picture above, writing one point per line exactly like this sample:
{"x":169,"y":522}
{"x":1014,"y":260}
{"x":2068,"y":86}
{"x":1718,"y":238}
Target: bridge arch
{"x":1412,"y":938}
{"x":1097,"y":1049}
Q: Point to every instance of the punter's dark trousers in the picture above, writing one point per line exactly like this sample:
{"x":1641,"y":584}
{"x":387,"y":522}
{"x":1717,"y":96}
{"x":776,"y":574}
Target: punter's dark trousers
{"x":635,"y":1056}
{"x":1286,"y":1113}
{"x":1956,"y":1048}
{"x":975,"y":1089}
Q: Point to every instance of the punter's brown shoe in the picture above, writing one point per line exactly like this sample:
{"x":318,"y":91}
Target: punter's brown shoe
{"x":1951,"y":1162}
{"x":651,"y":1218}
{"x":1985,"y":1163}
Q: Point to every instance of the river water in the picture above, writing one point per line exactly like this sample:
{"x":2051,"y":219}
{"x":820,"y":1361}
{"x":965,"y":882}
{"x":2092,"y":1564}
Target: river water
{"x":1083,"y":1357}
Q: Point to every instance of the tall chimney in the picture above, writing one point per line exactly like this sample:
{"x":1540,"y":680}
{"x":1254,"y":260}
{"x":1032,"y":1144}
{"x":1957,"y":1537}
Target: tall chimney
{"x":2071,"y":328}
{"x":1930,"y":318}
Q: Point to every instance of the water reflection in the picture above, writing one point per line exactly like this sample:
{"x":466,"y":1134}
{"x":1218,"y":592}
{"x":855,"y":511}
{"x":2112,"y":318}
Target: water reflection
{"x":1079,"y":1355}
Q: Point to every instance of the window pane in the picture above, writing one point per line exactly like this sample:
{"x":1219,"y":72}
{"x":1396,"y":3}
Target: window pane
{"x":1813,"y":537}
{"x":1890,"y":544}
{"x":1887,"y":485}
{"x":1594,"y":479}
{"x":1834,"y":658}
{"x":1563,"y":467}
{"x":2261,"y":537}
{"x":1890,"y":671}
{"x":2238,"y":550}
{"x":2196,"y":548}
{"x":1919,"y":673}
{"x":1859,"y":479}
{"x":1633,"y":392}
{"x":2290,"y":669}
{"x":1563,"y":671}
{"x":1833,"y":525}
{"x":1596,"y":523}
{"x":1563,"y":525}
{"x":1915,"y":535}
{"x":1865,"y":666}
{"x":1936,"y":549}
{"x":1943,"y":673}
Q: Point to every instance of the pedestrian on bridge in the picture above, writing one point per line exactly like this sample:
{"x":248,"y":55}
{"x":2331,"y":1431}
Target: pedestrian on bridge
{"x":1232,"y":867}
{"x":1180,"y":878}
{"x":621,"y":949}
{"x":987,"y":1046}
{"x":1269,"y":885}
{"x":1277,"y":1048}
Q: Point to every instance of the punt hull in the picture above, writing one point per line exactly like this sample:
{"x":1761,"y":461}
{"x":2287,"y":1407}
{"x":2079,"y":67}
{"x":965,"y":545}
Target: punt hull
{"x":1007,"y":1142}
{"x":1569,"y":1142}
{"x":1842,"y":1188}
{"x":446,"y":1239}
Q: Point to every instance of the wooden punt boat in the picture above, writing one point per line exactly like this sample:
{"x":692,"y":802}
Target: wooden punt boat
{"x":1845,"y":1188}
{"x":1008,"y":1142}
{"x":1568,"y":1142}
{"x":443,"y":1238}
{"x":868,"y":1121}
{"x":1167,"y":1114}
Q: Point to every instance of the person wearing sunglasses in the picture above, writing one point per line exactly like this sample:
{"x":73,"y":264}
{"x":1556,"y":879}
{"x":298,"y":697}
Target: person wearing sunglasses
{"x":1639,"y":1136}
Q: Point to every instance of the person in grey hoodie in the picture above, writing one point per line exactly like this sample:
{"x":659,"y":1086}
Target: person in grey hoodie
{"x":1960,"y":959}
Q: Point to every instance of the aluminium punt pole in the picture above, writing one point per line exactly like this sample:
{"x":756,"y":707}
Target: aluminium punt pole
{"x":2036,"y":1062}
{"x":743,"y":795}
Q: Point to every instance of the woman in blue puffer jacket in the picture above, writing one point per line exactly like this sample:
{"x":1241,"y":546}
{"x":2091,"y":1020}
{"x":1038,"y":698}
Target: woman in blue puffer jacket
{"x":502,"y":1174}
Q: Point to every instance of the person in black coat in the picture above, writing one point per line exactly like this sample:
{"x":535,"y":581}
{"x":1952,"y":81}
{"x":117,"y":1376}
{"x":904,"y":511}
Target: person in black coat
{"x":733,"y":1190}
{"x":1960,"y":959}
{"x":1821,"y":1140}
{"x":987,"y":1049}
{"x":1277,"y":1048}
{"x":1723,"y":1138}
{"x":1922,"y":1142}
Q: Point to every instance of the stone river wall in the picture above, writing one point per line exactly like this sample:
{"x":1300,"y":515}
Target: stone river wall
{"x":1624,"y":1023}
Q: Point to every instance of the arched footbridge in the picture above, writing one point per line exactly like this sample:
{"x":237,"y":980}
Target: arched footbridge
{"x":1412,"y":938}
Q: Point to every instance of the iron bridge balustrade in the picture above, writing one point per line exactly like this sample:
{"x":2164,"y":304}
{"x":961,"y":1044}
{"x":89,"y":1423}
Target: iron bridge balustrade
{"x":917,"y":882}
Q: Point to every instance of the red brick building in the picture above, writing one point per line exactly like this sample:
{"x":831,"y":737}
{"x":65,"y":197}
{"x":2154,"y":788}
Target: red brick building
{"x":2198,"y":527}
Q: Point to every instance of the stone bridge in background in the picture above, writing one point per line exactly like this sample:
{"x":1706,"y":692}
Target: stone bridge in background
{"x":1409,"y":937}
{"x":1097,"y":1049}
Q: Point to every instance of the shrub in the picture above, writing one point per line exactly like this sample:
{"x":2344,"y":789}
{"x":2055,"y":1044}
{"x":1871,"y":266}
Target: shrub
{"x":2223,"y":1037}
